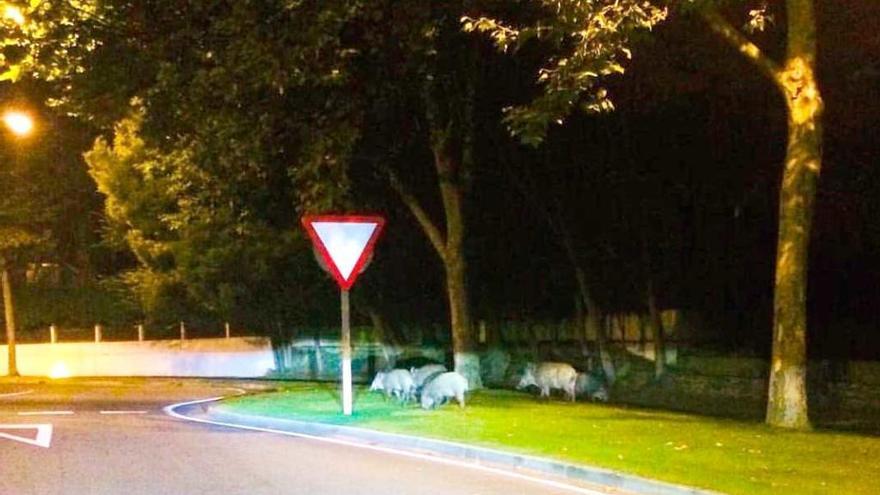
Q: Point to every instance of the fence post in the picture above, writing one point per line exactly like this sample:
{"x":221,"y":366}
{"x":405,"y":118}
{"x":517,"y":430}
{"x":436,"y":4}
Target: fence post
{"x":182,"y":331}
{"x":227,"y":330}
{"x":140,"y":329}
{"x":98,"y":330}
{"x":53,"y":333}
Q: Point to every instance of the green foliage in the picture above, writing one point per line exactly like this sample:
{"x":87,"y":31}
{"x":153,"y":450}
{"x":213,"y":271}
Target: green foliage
{"x":25,"y":214}
{"x":139,"y":184}
{"x":230,"y":119}
{"x":204,"y":246}
{"x":589,"y":39}
{"x":246,"y":115}
{"x":32,"y":190}
{"x":13,"y":47}
{"x":109,"y":303}
{"x":245,"y":87}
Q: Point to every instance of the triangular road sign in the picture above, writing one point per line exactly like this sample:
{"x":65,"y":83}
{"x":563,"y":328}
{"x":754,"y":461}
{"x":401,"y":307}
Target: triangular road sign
{"x":344,"y":242}
{"x":42,"y":439}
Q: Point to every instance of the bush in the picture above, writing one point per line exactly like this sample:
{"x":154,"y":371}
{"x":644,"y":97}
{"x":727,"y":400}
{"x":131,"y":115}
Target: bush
{"x":75,"y":307}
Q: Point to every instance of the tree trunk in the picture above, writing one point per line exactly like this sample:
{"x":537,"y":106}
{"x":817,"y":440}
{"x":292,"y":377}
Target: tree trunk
{"x":9,"y":313}
{"x":534,"y":341}
{"x":580,"y":325}
{"x":643,"y":338}
{"x":463,"y":346}
{"x":494,"y":338}
{"x":796,"y":80}
{"x":384,"y":336}
{"x":450,"y":249}
{"x":787,"y":399}
{"x":466,"y":360}
{"x":787,"y":395}
{"x":449,"y":112}
{"x":593,"y":326}
{"x":656,"y":324}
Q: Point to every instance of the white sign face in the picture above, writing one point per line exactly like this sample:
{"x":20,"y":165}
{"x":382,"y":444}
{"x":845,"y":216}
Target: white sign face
{"x":345,"y":242}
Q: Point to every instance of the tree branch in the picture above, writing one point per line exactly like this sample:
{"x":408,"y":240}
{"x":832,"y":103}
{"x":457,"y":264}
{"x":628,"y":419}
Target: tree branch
{"x":743,"y":45}
{"x":421,"y":215}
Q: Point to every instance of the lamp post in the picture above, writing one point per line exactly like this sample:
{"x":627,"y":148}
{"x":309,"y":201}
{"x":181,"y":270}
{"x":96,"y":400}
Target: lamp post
{"x":20,"y":124}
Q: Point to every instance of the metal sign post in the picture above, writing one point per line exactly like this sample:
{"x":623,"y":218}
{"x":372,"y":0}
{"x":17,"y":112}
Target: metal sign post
{"x":344,"y":247}
{"x":345,"y":351}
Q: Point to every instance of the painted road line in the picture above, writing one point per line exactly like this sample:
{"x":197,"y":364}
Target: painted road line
{"x":170,"y":410}
{"x":15,"y":394}
{"x":123,"y":412}
{"x":43,"y":438}
{"x":45,"y":413}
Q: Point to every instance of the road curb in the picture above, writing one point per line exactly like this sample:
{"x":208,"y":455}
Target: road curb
{"x":472,"y":454}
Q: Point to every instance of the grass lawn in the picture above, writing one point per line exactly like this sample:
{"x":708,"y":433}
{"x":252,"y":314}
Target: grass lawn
{"x":729,"y":456}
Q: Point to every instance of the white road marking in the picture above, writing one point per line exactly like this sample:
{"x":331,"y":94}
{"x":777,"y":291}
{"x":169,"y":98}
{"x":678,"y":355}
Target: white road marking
{"x":43,"y":439}
{"x":170,"y":410}
{"x":123,"y":412}
{"x":45,"y":413}
{"x":16,"y":394}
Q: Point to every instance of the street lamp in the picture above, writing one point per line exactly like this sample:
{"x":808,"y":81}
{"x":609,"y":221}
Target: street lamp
{"x":14,"y":14}
{"x":20,"y":123}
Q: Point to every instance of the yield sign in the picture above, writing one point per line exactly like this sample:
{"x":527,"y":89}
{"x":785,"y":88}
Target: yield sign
{"x":42,"y":439}
{"x":345,"y":243}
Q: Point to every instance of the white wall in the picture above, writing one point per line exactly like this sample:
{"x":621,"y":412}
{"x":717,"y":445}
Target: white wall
{"x":235,"y":357}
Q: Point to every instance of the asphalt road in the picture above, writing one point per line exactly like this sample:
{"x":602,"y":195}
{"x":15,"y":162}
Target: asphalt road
{"x":111,"y":436}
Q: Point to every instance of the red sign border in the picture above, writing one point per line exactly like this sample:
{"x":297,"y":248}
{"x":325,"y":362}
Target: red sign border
{"x":344,"y":284}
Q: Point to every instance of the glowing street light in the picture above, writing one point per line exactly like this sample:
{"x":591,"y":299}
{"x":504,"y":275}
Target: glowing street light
{"x":14,"y":14}
{"x":20,"y":123}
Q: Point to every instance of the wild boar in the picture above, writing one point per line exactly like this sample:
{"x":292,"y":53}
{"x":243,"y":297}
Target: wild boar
{"x":592,"y":386}
{"x":547,"y":376}
{"x":419,"y":375}
{"x":601,"y":394}
{"x":438,"y":390}
{"x":397,"y":382}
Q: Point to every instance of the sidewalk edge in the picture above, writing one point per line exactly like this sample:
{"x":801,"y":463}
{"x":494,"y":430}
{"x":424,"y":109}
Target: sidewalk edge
{"x":470,"y":453}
